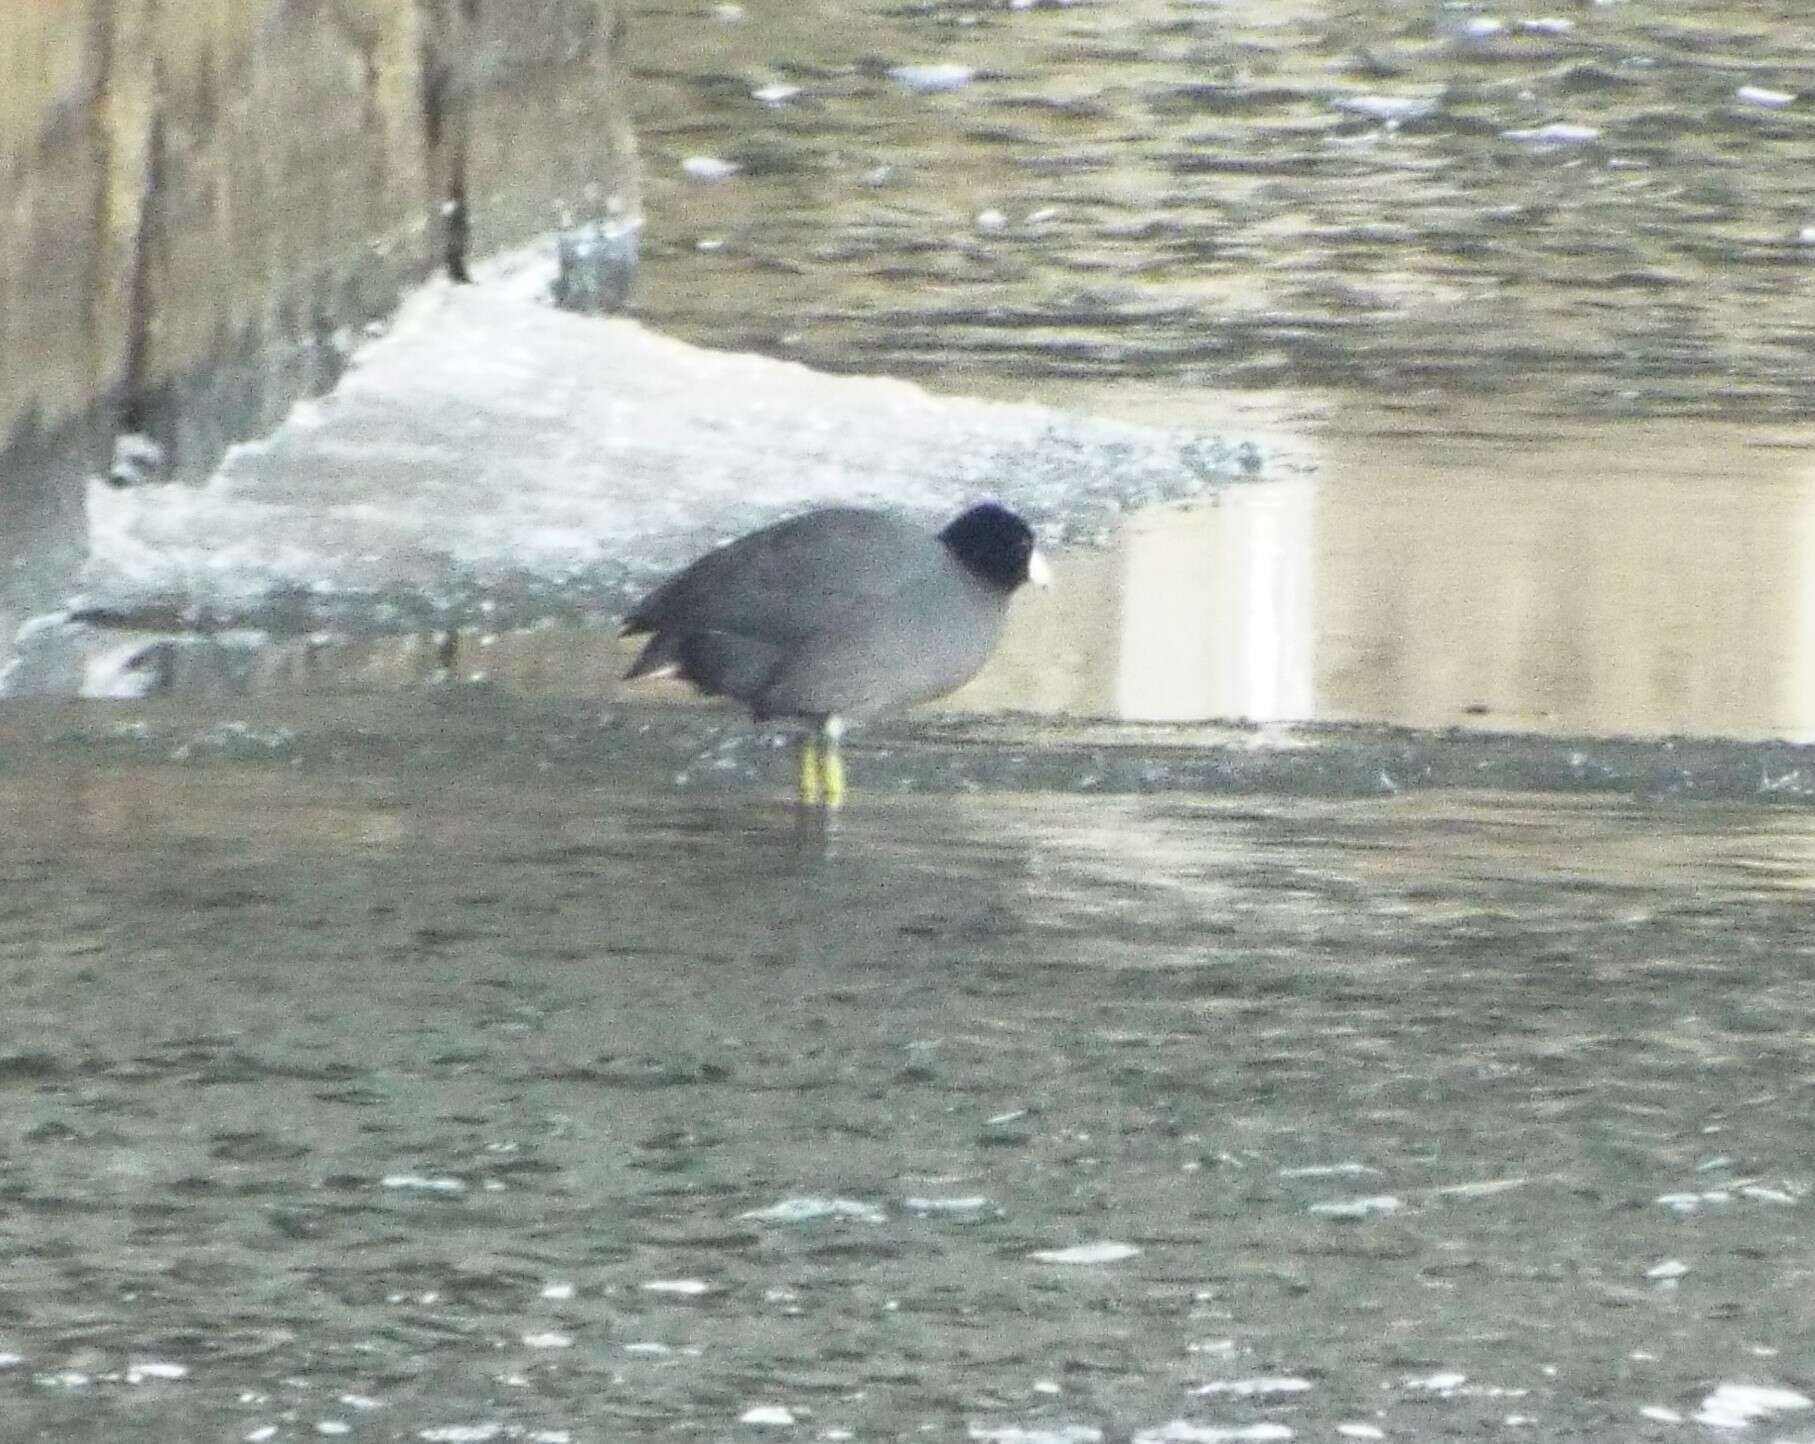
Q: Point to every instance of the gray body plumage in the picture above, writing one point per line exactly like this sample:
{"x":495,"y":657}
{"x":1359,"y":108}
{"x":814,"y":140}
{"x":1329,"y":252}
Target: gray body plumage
{"x":843,"y":612}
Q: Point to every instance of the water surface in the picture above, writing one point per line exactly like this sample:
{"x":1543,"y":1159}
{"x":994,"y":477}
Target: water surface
{"x":345,"y":1087}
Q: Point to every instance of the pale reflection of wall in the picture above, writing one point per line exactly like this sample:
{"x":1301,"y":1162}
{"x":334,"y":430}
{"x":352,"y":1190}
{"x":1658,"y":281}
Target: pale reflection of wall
{"x":1548,"y":584}
{"x":1217,"y":608}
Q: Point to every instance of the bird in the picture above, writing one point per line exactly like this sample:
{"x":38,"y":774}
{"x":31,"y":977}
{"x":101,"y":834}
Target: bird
{"x":836,"y":615}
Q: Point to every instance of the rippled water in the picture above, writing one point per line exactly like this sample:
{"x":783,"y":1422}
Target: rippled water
{"x":347,"y":1085}
{"x":1597,"y":208}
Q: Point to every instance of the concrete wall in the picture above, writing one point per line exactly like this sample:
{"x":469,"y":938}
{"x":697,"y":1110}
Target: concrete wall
{"x":202,"y":203}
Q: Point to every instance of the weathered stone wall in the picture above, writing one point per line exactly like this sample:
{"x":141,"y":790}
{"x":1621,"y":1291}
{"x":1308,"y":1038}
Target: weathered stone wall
{"x":202,"y":203}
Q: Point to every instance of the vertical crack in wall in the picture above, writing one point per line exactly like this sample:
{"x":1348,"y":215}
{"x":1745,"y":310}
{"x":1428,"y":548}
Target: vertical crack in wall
{"x":135,"y":394}
{"x":446,"y":123}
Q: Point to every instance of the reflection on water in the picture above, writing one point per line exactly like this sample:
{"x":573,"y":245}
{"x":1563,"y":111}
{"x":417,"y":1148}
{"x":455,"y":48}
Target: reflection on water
{"x":1505,"y":582}
{"x":1597,"y":206}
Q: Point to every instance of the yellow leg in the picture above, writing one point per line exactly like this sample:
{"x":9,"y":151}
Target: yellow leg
{"x":832,"y":767}
{"x":809,"y":772}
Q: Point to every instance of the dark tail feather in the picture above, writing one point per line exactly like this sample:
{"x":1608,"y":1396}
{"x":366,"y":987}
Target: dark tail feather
{"x":727,"y":664}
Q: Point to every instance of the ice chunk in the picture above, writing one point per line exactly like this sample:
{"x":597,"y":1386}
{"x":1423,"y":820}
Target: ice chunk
{"x":805,"y":1210}
{"x":970,"y":1203}
{"x":1389,"y":108}
{"x":1086,"y":1253}
{"x":1252,"y":1388}
{"x":420,"y":1183}
{"x":1444,"y":1382}
{"x":709,"y":167}
{"x":153,"y":1369}
{"x":1734,"y":1406}
{"x":1559,"y":132}
{"x":1769,"y":99}
{"x":946,"y":76}
{"x":1379,"y":1203}
{"x":690,"y":1288}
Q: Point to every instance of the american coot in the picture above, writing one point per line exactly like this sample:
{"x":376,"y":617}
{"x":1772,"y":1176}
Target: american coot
{"x":837,"y":615}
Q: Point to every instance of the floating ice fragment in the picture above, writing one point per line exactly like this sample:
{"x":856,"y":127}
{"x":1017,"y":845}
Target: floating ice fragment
{"x":360,"y":1401}
{"x":1769,"y":99}
{"x":728,"y":13}
{"x":691,"y":1287}
{"x":462,"y":1433}
{"x":647,"y":1347}
{"x":946,"y":76}
{"x":990,"y":222}
{"x":1734,"y":1406}
{"x":1483,"y":1189}
{"x":1211,"y":1346}
{"x":11,"y":1361}
{"x":1008,"y":1117}
{"x":551,"y":1436}
{"x":1766,"y":1195}
{"x":1051,"y":1434}
{"x":419,"y":1182}
{"x":1103,"y":1252}
{"x":557,"y":1290}
{"x":1380,"y":1203}
{"x":1661,"y":1414}
{"x":768,"y":1414}
{"x":1181,"y":1432}
{"x":971,"y":1203}
{"x":1047,"y":1386}
{"x":1546,"y":25}
{"x":1440,"y":1383}
{"x":1360,"y":1431}
{"x":139,"y":1373}
{"x":1252,"y":1388}
{"x":1389,"y":108}
{"x":550,"y":1339}
{"x":1481,"y":27}
{"x":777,"y":94}
{"x":1559,"y":132}
{"x":1329,"y":1170}
{"x":1669,"y":1271}
{"x":709,"y":168}
{"x":262,"y":1433}
{"x":1690,"y":1202}
{"x":805,"y":1210}
{"x":333,"y":1428}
